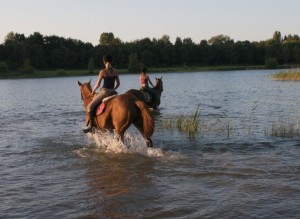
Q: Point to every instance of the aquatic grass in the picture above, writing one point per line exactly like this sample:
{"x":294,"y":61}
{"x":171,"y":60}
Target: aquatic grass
{"x":167,"y":123}
{"x":286,"y":126}
{"x":290,"y":75}
{"x":190,"y":124}
{"x":179,"y":121}
{"x":275,"y":125}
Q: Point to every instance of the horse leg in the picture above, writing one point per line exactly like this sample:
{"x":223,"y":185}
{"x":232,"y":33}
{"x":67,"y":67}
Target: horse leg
{"x":120,"y":130}
{"x":148,"y":140}
{"x":120,"y":138}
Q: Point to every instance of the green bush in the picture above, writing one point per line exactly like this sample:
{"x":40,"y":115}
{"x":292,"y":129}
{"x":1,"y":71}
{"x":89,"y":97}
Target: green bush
{"x":27,"y":68}
{"x":271,"y":63}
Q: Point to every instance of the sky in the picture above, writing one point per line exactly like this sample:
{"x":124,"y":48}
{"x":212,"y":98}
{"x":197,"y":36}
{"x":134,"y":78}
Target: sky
{"x":129,"y":20}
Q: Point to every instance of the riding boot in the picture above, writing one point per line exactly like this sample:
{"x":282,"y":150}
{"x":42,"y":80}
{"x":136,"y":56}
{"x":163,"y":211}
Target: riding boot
{"x":90,"y":124}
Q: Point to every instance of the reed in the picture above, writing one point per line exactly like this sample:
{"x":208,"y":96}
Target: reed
{"x":290,"y":75}
{"x":275,"y":126}
{"x":286,"y":127}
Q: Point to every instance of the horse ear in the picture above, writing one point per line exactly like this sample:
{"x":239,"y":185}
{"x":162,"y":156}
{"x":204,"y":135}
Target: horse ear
{"x":90,"y":81}
{"x":79,"y":83}
{"x":156,"y":78}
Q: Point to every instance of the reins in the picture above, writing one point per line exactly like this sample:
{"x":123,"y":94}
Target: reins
{"x":91,"y":96}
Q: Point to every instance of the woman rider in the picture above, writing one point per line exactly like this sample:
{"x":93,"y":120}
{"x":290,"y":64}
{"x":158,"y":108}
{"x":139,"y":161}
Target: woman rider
{"x":144,"y":82}
{"x":111,"y":83}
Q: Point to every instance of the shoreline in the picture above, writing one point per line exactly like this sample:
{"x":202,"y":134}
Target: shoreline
{"x":85,"y":72}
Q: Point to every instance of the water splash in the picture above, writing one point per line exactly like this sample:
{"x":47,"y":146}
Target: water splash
{"x":107,"y":142}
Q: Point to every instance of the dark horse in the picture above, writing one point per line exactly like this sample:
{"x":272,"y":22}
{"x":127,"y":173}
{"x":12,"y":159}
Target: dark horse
{"x":146,"y":97}
{"x":120,"y":113}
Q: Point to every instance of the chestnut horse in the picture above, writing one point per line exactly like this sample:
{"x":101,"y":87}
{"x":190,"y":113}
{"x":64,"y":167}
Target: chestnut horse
{"x":120,"y":113}
{"x":142,"y":96}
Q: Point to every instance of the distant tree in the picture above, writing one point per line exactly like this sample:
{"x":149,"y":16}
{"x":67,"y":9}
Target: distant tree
{"x":108,"y":39}
{"x":27,"y":68}
{"x":10,"y":37}
{"x":165,"y":39}
{"x":220,"y":39}
{"x":134,"y":65}
{"x":271,"y":63}
{"x":3,"y":67}
{"x":204,"y":53}
{"x":91,"y":65}
{"x":296,"y":54}
{"x":35,"y":38}
{"x":277,"y":37}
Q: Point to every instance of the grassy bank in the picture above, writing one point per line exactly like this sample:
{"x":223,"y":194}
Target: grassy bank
{"x":290,"y":75}
{"x":82,"y":72}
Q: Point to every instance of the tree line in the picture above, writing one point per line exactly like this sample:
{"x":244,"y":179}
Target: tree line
{"x":25,"y":54}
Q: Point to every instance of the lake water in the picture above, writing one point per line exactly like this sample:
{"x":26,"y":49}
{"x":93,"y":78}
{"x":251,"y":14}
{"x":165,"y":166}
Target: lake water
{"x":234,"y":166}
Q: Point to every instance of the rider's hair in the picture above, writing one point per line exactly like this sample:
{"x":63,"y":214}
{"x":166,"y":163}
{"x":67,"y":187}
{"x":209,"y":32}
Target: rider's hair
{"x":144,"y":69}
{"x":107,"y":58}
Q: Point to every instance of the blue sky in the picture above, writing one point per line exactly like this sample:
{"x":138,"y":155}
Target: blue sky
{"x":252,"y":20}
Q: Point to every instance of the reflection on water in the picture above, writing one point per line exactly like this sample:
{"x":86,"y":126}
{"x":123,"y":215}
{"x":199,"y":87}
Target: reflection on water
{"x":50,"y":169}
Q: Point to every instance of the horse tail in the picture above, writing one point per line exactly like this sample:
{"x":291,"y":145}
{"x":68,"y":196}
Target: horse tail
{"x":147,"y":119}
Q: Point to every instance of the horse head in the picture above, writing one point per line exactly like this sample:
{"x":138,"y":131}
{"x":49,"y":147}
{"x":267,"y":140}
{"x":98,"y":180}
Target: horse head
{"x":86,"y":90}
{"x":159,"y":84}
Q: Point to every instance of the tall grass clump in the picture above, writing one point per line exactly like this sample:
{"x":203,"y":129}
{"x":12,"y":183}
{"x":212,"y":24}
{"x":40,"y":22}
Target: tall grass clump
{"x":189,"y":124}
{"x":286,"y":127}
{"x":290,"y":75}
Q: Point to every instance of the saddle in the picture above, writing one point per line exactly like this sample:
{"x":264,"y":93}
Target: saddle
{"x":148,"y":96}
{"x":100,"y":109}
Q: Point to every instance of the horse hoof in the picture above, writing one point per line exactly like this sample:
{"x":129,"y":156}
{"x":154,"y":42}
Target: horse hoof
{"x":149,"y":143}
{"x":87,"y":129}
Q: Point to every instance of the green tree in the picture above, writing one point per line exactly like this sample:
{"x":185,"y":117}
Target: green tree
{"x":134,"y":65}
{"x":108,"y":39}
{"x":91,"y":65}
{"x":271,"y":63}
{"x":27,"y":68}
{"x":219,"y":39}
{"x":3,"y":67}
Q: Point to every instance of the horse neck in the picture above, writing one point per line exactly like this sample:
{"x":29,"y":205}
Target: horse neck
{"x":87,"y":98}
{"x":158,"y":88}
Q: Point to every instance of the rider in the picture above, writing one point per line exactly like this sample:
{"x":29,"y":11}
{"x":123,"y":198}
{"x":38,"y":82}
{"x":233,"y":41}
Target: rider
{"x":111,"y":83}
{"x":144,"y":82}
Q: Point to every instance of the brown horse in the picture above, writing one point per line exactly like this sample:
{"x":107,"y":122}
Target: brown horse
{"x":120,"y":113}
{"x":143,"y":96}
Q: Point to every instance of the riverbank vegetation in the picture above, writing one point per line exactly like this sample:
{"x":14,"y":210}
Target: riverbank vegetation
{"x":290,"y":75}
{"x":42,"y":56}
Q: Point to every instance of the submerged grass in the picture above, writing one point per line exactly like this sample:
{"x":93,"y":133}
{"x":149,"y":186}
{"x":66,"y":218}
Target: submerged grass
{"x":286,"y":127}
{"x":194,"y":124}
{"x":290,"y":75}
